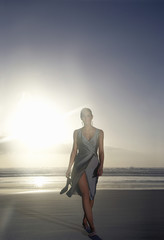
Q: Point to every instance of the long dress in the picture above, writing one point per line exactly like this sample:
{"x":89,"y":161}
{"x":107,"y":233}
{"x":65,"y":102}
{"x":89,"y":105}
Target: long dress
{"x":86,"y":161}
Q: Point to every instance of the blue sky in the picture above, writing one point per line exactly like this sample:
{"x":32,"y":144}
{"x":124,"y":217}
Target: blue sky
{"x":107,"y":55}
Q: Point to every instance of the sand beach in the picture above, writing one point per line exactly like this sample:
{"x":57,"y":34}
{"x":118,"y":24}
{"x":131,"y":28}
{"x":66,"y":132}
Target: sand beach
{"x":119,"y":214}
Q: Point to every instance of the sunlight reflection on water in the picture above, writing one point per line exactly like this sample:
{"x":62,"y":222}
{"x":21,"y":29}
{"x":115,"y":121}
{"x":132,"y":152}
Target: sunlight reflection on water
{"x":56,"y":183}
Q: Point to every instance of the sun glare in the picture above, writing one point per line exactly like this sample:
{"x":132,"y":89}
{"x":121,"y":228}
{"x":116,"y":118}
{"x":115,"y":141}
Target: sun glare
{"x":37,"y":123}
{"x":39,"y":181}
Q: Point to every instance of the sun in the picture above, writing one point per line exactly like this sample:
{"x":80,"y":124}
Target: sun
{"x":37,"y":122}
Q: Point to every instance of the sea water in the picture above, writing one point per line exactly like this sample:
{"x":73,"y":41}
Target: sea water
{"x":44,"y":179}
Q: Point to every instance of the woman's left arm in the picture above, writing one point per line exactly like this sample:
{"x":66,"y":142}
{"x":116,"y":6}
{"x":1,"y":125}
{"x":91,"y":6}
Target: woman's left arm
{"x":101,"y":152}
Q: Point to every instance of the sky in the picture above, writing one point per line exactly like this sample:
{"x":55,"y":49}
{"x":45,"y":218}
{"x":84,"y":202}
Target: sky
{"x":106,"y":55}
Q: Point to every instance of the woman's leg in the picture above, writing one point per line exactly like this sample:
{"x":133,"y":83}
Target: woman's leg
{"x":84,"y":218}
{"x":87,"y":204}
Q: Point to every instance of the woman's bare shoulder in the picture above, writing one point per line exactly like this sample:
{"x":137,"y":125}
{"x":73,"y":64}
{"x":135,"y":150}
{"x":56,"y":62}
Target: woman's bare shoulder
{"x":101,"y":132}
{"x":75,"y":132}
{"x":98,"y":129}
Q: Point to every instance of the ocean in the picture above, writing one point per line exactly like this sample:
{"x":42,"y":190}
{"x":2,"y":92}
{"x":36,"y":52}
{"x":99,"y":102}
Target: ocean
{"x":23,"y":180}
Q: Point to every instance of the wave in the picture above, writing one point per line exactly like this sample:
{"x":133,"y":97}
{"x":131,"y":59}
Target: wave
{"x":22,"y":172}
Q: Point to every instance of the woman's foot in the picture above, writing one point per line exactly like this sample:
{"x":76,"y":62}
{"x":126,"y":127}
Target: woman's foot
{"x":86,"y":227}
{"x":94,"y":236}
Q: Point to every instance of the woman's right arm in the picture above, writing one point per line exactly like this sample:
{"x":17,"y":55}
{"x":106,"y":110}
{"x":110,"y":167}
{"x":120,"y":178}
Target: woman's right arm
{"x":73,"y":154}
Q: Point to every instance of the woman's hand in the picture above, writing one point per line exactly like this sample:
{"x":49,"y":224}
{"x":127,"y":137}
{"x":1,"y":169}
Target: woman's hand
{"x":100,"y":171}
{"x":68,"y":173}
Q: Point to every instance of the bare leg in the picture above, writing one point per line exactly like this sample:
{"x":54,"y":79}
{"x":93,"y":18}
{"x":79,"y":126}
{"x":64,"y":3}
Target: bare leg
{"x":87,"y":203}
{"x":84,"y":218}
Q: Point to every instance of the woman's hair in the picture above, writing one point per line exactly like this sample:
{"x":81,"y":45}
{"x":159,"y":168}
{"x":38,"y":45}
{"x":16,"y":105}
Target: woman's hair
{"x":85,"y":109}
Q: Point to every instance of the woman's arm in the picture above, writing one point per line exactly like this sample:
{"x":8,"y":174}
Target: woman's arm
{"x":101,"y":152}
{"x":73,"y":154}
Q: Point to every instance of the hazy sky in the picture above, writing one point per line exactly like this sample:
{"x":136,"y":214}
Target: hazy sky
{"x":107,"y":55}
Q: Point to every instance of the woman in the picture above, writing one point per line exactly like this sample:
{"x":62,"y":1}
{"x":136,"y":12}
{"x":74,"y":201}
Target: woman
{"x":87,"y":167}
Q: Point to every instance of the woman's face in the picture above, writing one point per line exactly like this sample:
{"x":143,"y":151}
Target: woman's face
{"x":86,"y":117}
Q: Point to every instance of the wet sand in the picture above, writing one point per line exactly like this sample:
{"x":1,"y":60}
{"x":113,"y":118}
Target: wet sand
{"x":118,"y":214}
